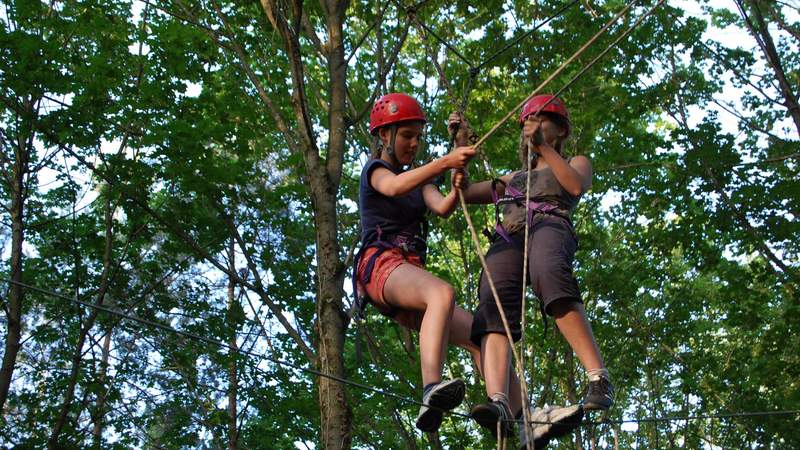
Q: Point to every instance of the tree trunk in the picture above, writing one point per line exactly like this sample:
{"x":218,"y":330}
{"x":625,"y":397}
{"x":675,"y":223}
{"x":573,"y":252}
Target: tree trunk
{"x":233,"y":381}
{"x":761,"y":33}
{"x":15,"y":291}
{"x":331,"y":319}
{"x":331,"y":323}
{"x":53,"y":440}
{"x":324,"y":176}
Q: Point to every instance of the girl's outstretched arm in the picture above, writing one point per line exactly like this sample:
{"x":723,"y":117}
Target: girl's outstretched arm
{"x":391,"y":185}
{"x":481,"y":192}
{"x":441,"y":205}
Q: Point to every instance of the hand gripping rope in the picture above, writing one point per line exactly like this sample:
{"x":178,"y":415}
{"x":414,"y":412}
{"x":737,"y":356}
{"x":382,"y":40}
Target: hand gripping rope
{"x":590,"y":42}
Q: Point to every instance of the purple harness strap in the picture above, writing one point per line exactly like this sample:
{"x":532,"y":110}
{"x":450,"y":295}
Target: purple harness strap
{"x":514,"y":195}
{"x":405,"y":242}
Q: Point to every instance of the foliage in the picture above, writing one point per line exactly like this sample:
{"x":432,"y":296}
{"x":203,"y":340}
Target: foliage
{"x":148,"y":136}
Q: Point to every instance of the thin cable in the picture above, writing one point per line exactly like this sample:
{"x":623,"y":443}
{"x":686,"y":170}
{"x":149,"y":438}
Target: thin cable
{"x":226,"y":346}
{"x":221,"y":344}
{"x":561,"y":11}
{"x":792,"y":412}
{"x":447,"y":44}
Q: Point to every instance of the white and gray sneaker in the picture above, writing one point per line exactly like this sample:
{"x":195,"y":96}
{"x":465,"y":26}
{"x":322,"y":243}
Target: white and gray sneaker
{"x":442,"y":397}
{"x":548,"y":423}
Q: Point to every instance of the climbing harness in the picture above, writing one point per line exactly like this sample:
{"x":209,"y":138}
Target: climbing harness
{"x":406,"y":241}
{"x":514,"y":196}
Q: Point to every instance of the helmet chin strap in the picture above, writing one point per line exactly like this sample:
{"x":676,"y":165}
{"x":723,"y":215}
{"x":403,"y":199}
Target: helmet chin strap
{"x":390,"y":148}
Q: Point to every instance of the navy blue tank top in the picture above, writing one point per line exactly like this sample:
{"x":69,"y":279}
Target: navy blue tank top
{"x":394,"y":216}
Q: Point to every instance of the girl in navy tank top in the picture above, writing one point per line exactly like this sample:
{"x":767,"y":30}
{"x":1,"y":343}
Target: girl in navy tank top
{"x":390,"y":272}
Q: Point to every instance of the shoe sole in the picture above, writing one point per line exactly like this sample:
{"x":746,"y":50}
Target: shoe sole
{"x":486,"y":418}
{"x":562,"y":424}
{"x":447,"y":396}
{"x":593,"y":406}
{"x":429,"y":421}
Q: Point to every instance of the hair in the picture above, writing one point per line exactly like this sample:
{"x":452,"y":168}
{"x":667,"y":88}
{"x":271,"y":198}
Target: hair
{"x":376,"y":148}
{"x":561,"y":122}
{"x":377,"y":144}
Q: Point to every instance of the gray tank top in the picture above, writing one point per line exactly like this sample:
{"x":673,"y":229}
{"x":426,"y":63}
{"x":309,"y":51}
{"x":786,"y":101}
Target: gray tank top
{"x":544,"y":188}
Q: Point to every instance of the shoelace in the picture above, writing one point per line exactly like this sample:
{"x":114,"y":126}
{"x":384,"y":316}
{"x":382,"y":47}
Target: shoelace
{"x":601,"y":387}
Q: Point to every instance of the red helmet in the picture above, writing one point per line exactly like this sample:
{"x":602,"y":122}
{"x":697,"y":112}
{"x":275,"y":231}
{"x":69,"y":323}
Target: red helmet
{"x":534,"y":105}
{"x":394,"y":108}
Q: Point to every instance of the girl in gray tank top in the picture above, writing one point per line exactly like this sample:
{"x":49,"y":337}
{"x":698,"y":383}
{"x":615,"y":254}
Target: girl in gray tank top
{"x":556,"y":185}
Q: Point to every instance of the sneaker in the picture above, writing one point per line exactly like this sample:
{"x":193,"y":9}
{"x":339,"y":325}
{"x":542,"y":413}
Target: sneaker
{"x":489,"y":414}
{"x":442,"y":397}
{"x":599,"y":395}
{"x":549,"y":423}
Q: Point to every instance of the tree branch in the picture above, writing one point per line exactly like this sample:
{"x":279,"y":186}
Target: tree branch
{"x":236,"y":48}
{"x":262,"y":293}
{"x":750,"y":124}
{"x":762,"y":36}
{"x":363,"y":38}
{"x":384,"y":72}
{"x":308,"y":145}
{"x":781,"y":22}
{"x":721,"y":60}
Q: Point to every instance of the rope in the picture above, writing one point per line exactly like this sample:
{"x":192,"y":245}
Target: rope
{"x":226,"y":346}
{"x":223,"y":345}
{"x":536,"y":91}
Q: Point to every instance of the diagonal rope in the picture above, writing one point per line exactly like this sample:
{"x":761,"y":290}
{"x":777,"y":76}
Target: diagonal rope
{"x":560,"y":69}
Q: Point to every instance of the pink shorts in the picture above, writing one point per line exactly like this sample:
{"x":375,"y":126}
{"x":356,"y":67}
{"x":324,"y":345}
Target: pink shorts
{"x":384,"y":266}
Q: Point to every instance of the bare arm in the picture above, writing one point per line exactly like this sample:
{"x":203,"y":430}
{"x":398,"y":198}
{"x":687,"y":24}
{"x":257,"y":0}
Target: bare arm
{"x":387,"y":183}
{"x":441,"y":205}
{"x":575,"y":177}
{"x":481,"y":192}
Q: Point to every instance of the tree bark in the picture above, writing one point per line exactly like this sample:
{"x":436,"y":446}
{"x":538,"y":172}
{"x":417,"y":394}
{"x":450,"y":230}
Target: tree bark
{"x":761,"y":33}
{"x":331,"y":318}
{"x":16,"y":294}
{"x":233,"y":382}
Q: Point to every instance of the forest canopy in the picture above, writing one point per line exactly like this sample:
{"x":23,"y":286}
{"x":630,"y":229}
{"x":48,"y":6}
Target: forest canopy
{"x":180,"y":216}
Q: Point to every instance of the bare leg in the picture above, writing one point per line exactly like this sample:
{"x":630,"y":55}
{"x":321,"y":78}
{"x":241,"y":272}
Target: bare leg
{"x":495,"y":362}
{"x":571,"y":320}
{"x":413,"y":288}
{"x":460,"y":335}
